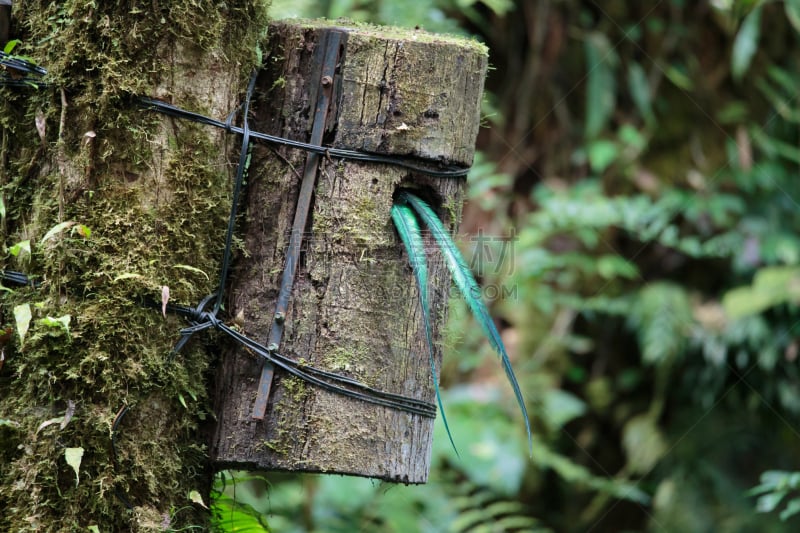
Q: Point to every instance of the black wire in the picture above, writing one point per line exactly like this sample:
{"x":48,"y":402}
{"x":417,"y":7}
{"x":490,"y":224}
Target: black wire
{"x":25,"y":81}
{"x":18,"y":278}
{"x":240,"y":171}
{"x":19,"y":64}
{"x":330,"y":381}
{"x":26,"y":74}
{"x":174,"y":111}
{"x":309,"y":374}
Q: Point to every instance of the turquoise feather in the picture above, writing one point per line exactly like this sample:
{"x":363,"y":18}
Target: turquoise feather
{"x":407,"y":227}
{"x":469,"y":288}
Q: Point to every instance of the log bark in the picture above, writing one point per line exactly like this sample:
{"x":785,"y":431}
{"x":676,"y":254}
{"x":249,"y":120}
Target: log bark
{"x":354,"y":307}
{"x":142,"y":201}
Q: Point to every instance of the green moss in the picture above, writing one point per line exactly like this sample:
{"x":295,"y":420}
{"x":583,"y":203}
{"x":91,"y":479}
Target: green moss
{"x":401,"y":34}
{"x":145,"y":231}
{"x":277,"y":445}
{"x":295,"y":388}
{"x":349,"y":359}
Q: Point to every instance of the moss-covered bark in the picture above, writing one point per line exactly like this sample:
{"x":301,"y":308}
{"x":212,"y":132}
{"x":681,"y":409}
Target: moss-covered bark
{"x":154,"y":194}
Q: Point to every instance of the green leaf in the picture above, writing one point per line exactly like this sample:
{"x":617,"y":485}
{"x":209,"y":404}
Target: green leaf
{"x":560,"y":407}
{"x":22,"y":246}
{"x":10,"y":45}
{"x":192,"y":269}
{"x":773,"y":146}
{"x":83,"y":231}
{"x":22,"y":317}
{"x":639,"y":88}
{"x":94,"y":529}
{"x":661,"y":316}
{"x":195,"y":497}
{"x":785,"y":78}
{"x":792,"y":508}
{"x":602,"y":154}
{"x":632,"y":138}
{"x":55,"y":230}
{"x":771,"y":286}
{"x":60,"y":322}
{"x":792,"y":8}
{"x":601,"y":62}
{"x":499,"y":7}
{"x":781,"y":100}
{"x":746,"y":43}
{"x":74,"y":457}
{"x":768,"y":502}
{"x":615,"y":266}
{"x":128,"y":275}
{"x":229,"y":515}
{"x":678,"y":76}
{"x":644,"y":444}
{"x":733,"y":112}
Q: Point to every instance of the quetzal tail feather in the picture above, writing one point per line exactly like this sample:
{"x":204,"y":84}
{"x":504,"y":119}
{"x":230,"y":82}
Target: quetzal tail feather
{"x":407,"y":227}
{"x":469,"y":288}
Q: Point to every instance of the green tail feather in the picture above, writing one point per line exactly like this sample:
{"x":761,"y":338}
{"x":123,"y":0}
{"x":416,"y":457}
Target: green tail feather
{"x":407,"y":227}
{"x":464,"y":280}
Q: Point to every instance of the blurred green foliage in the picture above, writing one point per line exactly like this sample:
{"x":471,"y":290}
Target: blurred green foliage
{"x":642,"y":161}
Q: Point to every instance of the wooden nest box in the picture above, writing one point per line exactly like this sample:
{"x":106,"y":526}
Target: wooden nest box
{"x":352,"y":307}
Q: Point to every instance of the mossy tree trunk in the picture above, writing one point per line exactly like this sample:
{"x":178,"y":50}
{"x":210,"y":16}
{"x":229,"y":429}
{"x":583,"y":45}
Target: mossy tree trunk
{"x":354,"y":305}
{"x":143,"y":201}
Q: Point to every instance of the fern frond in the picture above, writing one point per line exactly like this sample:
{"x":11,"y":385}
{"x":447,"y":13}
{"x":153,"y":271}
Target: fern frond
{"x":407,"y":227}
{"x":478,"y":508}
{"x":465,"y":281}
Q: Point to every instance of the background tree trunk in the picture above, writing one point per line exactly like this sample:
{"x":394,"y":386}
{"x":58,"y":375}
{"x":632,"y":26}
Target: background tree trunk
{"x":154,"y":193}
{"x":354,"y":307}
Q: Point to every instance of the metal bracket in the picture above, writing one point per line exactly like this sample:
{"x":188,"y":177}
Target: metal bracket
{"x":326,"y":58}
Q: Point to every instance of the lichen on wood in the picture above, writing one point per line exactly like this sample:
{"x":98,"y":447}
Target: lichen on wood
{"x":154,"y":194}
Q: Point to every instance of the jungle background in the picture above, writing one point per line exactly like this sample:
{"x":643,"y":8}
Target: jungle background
{"x":632,"y":215}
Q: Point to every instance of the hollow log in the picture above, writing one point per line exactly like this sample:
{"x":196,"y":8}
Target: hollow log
{"x":354,"y":307}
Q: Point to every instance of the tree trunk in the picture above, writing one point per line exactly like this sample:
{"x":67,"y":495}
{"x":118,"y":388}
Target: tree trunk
{"x":354,"y":307}
{"x":136,"y":201}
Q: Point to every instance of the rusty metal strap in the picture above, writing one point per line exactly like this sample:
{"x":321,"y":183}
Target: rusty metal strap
{"x":326,"y":58}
